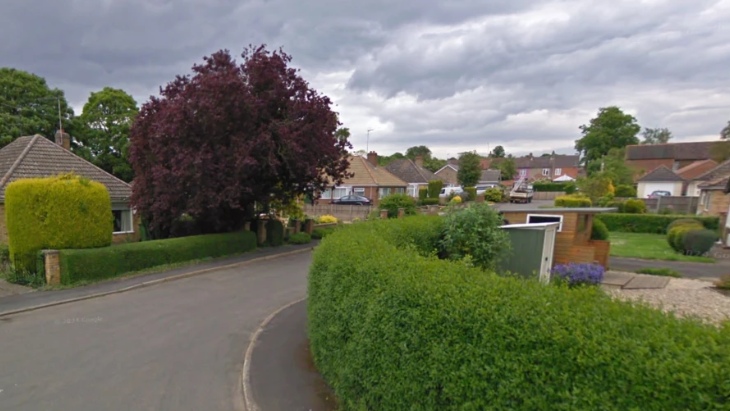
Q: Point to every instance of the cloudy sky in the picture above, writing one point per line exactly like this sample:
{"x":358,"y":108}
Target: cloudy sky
{"x":451,"y":74}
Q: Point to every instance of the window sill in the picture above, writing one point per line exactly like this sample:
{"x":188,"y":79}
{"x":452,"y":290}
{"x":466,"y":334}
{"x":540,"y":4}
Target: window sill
{"x":122,"y":232}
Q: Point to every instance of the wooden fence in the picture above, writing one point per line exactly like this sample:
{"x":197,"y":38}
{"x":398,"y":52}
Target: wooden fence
{"x":547,"y":195}
{"x":677,"y":205}
{"x":343,"y":212}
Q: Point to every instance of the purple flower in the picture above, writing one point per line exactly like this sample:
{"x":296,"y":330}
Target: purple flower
{"x":575,"y":274}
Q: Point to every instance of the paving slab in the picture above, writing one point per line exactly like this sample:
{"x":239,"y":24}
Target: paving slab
{"x":646,"y":282}
{"x":617,"y":278}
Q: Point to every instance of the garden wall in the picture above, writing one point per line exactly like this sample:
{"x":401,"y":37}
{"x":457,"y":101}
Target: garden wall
{"x":547,"y":195}
{"x":342,"y":212}
{"x":392,"y":327}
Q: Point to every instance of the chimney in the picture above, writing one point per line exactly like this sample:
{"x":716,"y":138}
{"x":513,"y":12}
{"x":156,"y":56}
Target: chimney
{"x":419,"y":161}
{"x":63,"y":140}
{"x":373,"y":158}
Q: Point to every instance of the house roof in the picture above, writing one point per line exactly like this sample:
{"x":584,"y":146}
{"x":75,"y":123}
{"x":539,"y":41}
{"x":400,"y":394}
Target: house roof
{"x":408,"y":171}
{"x":675,"y":151}
{"x":661,"y":173}
{"x":454,"y":167}
{"x":36,"y":156}
{"x":555,"y":161}
{"x":365,"y":174}
{"x":716,"y":184}
{"x":721,"y":170}
{"x":696,"y":169}
{"x":490,"y":176}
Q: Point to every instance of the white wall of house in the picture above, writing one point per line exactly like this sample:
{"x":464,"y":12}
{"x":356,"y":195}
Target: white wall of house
{"x":693,"y":188}
{"x":645,"y":188}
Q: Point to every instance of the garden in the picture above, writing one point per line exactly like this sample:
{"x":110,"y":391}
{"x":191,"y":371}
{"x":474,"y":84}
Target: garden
{"x":413,"y":314}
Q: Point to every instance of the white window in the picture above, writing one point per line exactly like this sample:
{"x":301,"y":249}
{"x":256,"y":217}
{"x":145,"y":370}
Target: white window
{"x":413,"y":190}
{"x":558,"y":172}
{"x":523,"y":172}
{"x":359,"y":191}
{"x":545,"y":218}
{"x":706,"y":200}
{"x":546,"y":171}
{"x":122,"y":220}
{"x":327,"y":194}
{"x":400,"y":190}
{"x":339,"y":192}
{"x":382,"y":192}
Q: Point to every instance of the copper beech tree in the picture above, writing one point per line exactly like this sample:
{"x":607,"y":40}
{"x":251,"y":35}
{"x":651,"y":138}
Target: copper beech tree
{"x":230,"y":136}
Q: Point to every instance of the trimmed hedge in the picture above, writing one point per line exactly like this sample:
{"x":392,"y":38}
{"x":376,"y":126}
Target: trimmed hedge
{"x":493,"y":195}
{"x":675,"y":236}
{"x":320,"y":233}
{"x":274,"y":233}
{"x":300,"y":238}
{"x":429,"y":201}
{"x":573,"y":201}
{"x":567,"y":187}
{"x":395,"y":201}
{"x":624,"y":190}
{"x":108,"y":262}
{"x":600,"y":231}
{"x":650,"y":223}
{"x":472,"y":193}
{"x":394,"y":328}
{"x":698,"y":242}
{"x":434,"y":188}
{"x":634,"y":206}
{"x":422,"y":193}
{"x":54,"y":213}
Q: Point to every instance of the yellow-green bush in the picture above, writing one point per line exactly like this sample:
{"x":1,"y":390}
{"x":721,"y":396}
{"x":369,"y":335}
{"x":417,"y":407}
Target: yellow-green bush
{"x":573,"y":201}
{"x":60,"y":212}
{"x":327,"y":219}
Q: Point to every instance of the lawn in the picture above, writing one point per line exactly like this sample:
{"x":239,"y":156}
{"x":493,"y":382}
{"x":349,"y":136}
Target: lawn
{"x":649,"y":247}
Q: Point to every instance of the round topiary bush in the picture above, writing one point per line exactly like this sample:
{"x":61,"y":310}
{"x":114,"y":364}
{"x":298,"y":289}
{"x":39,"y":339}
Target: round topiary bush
{"x":634,"y":206}
{"x":675,"y":237}
{"x":455,"y":200}
{"x":493,"y":195}
{"x":698,"y":242}
{"x":683,"y":221}
{"x":600,"y":231}
{"x":625,"y":190}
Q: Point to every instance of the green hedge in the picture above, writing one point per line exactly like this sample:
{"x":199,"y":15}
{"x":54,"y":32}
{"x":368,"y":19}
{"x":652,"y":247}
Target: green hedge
{"x":573,"y":201}
{"x":300,"y":238}
{"x":392,"y":328}
{"x":567,"y":187}
{"x":650,"y":223}
{"x":422,"y":193}
{"x":429,"y":201}
{"x":634,"y":206}
{"x":108,"y":262}
{"x":395,"y":201}
{"x":274,"y":232}
{"x":434,"y":188}
{"x":472,"y":193}
{"x":54,"y":213}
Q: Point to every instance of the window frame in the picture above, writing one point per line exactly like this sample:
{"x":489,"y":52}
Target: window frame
{"x":558,"y":172}
{"x":559,"y":216}
{"x":126,"y":214}
{"x":523,"y":172}
{"x":381,"y":191}
{"x":546,"y":172}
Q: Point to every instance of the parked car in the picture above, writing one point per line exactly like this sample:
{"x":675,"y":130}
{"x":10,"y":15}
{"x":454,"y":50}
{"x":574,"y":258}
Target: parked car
{"x":446,"y":191}
{"x":481,"y":189}
{"x":353,"y":200}
{"x":660,"y":193}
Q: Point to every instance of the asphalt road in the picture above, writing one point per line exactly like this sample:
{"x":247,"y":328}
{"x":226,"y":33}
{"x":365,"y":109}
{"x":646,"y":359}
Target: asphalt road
{"x":697,"y":271}
{"x":176,"y":346}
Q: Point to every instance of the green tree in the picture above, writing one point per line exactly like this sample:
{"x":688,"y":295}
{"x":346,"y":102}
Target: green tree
{"x":416,"y":151}
{"x":656,"y":135}
{"x":498,"y":152}
{"x":507,"y":167}
{"x":595,"y":187}
{"x":725,"y":133}
{"x":107,"y":120}
{"x":433,"y":164}
{"x":385,"y":160}
{"x":470,"y":169}
{"x":613,"y":166}
{"x":612,"y":128}
{"x":28,"y":106}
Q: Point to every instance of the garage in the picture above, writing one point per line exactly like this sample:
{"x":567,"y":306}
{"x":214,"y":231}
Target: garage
{"x":660,"y":179}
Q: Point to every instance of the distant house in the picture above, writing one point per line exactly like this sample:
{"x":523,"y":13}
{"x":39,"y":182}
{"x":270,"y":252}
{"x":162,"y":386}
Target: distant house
{"x":691,"y":174}
{"x":490,"y":177}
{"x":714,"y":200}
{"x":369,"y":180}
{"x":413,"y":173}
{"x":448,"y":174}
{"x":674,"y":156}
{"x":36,"y":156}
{"x":660,"y":179}
{"x":548,"y":167}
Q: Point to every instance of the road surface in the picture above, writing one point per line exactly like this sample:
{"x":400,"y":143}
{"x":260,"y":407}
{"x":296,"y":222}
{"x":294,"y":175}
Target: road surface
{"x":176,"y":346}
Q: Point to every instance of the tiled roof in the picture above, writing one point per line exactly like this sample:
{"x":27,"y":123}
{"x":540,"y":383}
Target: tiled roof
{"x":661,"y":173}
{"x":716,"y":184}
{"x":365,"y":174}
{"x":676,"y":151}
{"x":556,"y":161}
{"x":696,"y":169}
{"x":489,"y":176}
{"x":35,"y":156}
{"x":408,"y":171}
{"x":721,"y":170}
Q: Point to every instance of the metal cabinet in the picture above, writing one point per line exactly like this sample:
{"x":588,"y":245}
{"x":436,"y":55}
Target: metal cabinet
{"x":533,"y":247}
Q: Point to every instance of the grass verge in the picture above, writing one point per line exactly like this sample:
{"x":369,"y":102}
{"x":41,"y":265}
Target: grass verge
{"x":663,"y":272}
{"x":648,"y":247}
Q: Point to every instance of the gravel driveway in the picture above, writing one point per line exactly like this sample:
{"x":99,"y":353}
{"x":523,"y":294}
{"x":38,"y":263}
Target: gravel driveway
{"x":686,"y":298}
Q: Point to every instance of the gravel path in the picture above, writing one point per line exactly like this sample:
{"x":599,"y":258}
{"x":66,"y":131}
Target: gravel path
{"x":686,"y":298}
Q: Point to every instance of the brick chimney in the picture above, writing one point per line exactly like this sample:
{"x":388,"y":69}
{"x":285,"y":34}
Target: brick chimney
{"x":419,"y":161}
{"x":63,"y":140}
{"x":373,"y":158}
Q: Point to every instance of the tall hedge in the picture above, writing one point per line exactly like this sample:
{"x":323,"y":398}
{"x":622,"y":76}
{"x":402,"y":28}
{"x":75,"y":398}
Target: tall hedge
{"x":650,"y":223}
{"x":567,"y":187}
{"x":573,"y":201}
{"x":66,"y":211}
{"x":434,"y":188}
{"x":393,"y":328}
{"x":108,"y":262}
{"x":275,"y":233}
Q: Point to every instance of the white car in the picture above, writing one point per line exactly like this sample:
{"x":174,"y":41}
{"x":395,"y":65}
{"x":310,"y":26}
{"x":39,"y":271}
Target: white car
{"x":446,"y":191}
{"x":484,"y":187}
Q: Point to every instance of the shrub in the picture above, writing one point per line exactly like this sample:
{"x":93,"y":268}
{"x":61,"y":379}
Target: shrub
{"x":429,"y":201}
{"x":493,"y":195}
{"x":634,"y":206}
{"x":675,"y":237}
{"x":394,"y":328}
{"x":55,"y":213}
{"x":395,"y":201}
{"x":472,"y":193}
{"x":274,"y":232}
{"x":300,"y":238}
{"x":320,"y":233}
{"x":684,"y":221}
{"x":567,"y":187}
{"x":434,"y":188}
{"x":698,"y":242}
{"x":666,"y":211}
{"x":625,"y":190}
{"x":600,"y":231}
{"x":573,"y":201}
{"x":664,"y":272}
{"x":327,"y":219}
{"x":108,"y":262}
{"x":455,"y":200}
{"x":475,"y":232}
{"x":649,"y":223}
{"x":422,"y":193}
{"x":579,"y":274}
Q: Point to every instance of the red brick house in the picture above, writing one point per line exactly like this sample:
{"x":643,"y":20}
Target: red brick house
{"x":369,"y":180}
{"x":674,"y":156}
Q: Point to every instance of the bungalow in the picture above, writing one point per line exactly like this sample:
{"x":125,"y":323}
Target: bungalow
{"x":413,"y":173}
{"x":368,"y":180}
{"x":660,"y":179}
{"x":692,"y":174}
{"x":36,"y":156}
{"x":448,"y":174}
{"x":714,"y":200}
{"x":489,"y":177}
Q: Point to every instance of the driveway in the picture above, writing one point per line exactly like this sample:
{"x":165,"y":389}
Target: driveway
{"x":697,"y":271}
{"x":175,"y":346}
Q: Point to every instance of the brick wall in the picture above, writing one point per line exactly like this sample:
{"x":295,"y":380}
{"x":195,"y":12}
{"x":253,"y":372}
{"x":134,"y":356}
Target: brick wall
{"x":449,"y":176}
{"x":718,"y":206}
{"x":343,"y":212}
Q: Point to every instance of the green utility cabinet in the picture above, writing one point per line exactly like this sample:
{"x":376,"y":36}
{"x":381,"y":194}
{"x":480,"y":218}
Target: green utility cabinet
{"x":533,"y":247}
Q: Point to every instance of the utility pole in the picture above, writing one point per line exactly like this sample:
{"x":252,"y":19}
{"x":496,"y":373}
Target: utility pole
{"x":367,"y":145}
{"x":60,"y":123}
